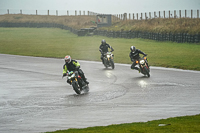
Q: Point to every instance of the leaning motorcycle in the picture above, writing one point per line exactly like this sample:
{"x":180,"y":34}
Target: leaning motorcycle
{"x":108,"y":60}
{"x":77,"y":82}
{"x":144,"y":67}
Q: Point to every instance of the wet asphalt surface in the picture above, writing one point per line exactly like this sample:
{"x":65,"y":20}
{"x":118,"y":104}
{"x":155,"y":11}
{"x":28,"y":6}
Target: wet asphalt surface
{"x":34,"y":97}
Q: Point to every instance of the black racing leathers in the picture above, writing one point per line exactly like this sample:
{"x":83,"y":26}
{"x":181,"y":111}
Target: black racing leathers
{"x":135,"y":56}
{"x":103,"y":48}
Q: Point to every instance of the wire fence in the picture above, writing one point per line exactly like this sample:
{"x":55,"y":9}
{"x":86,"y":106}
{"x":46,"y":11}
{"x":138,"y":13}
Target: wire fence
{"x":159,"y":14}
{"x":46,"y":12}
{"x":125,"y":16}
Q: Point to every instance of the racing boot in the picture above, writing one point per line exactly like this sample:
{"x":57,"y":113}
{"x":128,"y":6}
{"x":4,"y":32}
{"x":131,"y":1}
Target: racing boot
{"x":84,"y":79}
{"x":102,"y":61}
{"x":68,"y":82}
{"x":138,"y":69}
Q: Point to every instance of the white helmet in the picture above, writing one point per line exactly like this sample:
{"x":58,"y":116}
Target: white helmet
{"x":103,"y":41}
{"x":132,"y":48}
{"x":67,"y":59}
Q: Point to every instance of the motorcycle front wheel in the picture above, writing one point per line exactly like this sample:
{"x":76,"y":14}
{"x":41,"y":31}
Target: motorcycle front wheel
{"x":147,"y":71}
{"x":112,"y":63}
{"x":75,"y":87}
{"x":105,"y":63}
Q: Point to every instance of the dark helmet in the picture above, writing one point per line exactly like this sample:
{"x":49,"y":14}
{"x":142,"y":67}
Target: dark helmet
{"x":132,"y":48}
{"x":103,"y":41}
{"x":67,"y":59}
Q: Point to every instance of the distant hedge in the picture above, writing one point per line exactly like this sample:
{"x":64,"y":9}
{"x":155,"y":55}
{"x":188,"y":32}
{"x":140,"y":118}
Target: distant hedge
{"x":179,"y":37}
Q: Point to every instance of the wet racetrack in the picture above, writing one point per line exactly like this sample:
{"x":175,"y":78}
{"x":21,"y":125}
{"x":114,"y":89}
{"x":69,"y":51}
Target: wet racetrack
{"x":34,"y":97}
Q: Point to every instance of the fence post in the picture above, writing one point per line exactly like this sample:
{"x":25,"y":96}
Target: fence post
{"x":155,"y":15}
{"x":180,"y":13}
{"x":8,"y":11}
{"x":75,"y":12}
{"x":133,"y":16}
{"x":150,"y":15}
{"x":137,"y":16}
{"x":56,"y":12}
{"x":129,"y":16}
{"x":67,"y":13}
{"x":125,"y":16}
{"x":191,"y":13}
{"x":164,"y":13}
{"x":145,"y":16}
{"x":185,"y":14}
{"x":80,"y":13}
{"x":159,"y":14}
{"x":88,"y":13}
{"x":174,"y":13}
{"x":197,"y":13}
{"x":141,"y":16}
{"x":169,"y":14}
{"x":84,"y":13}
{"x":47,"y":12}
{"x":20,"y":11}
{"x":36,"y":12}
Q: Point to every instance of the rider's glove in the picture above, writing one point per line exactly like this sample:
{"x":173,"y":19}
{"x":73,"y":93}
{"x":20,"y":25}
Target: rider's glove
{"x":64,"y":74}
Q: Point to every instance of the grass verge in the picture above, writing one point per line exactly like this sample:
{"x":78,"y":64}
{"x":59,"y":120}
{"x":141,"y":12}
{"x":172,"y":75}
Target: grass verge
{"x":186,"y":124}
{"x":45,"y":42}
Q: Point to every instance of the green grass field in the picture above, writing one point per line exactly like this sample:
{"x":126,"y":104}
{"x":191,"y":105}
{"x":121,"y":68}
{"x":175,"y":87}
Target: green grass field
{"x":57,"y":43}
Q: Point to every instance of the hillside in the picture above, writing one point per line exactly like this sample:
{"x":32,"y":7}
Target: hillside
{"x":156,"y":25}
{"x":76,"y":22}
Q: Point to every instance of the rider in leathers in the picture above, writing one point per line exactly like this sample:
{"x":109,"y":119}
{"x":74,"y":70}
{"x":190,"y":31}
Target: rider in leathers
{"x":103,"y":48}
{"x":134,"y":56}
{"x":73,"y":65}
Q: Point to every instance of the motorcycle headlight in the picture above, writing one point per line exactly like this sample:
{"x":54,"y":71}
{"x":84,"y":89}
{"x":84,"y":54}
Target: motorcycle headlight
{"x":108,"y":56}
{"x":72,"y":76}
{"x":141,"y":61}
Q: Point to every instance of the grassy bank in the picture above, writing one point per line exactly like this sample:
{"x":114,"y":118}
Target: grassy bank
{"x":57,"y":43}
{"x":187,"y":124}
{"x":155,"y":25}
{"x":76,"y":22}
{"x":158,"y":25}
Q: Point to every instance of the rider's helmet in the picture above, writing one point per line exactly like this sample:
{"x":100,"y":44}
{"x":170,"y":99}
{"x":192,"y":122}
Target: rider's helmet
{"x":67,"y":59}
{"x":132,"y":48}
{"x":103,"y":41}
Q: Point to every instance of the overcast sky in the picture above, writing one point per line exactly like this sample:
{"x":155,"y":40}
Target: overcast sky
{"x":102,"y":6}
